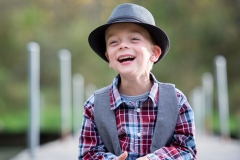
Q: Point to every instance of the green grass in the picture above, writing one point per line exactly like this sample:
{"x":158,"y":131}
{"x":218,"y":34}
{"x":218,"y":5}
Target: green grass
{"x":233,"y":125}
{"x":50,"y":119}
{"x":16,"y":121}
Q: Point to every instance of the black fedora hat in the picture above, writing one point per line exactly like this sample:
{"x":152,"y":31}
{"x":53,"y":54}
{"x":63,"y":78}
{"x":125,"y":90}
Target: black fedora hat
{"x":129,"y":13}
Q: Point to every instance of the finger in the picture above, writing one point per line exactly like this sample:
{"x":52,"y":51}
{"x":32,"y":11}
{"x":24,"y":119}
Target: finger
{"x":143,"y":158}
{"x":123,"y":156}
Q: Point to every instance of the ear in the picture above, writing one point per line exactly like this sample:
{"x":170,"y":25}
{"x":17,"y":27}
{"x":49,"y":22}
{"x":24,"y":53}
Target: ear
{"x":106,"y":54}
{"x":156,"y":52}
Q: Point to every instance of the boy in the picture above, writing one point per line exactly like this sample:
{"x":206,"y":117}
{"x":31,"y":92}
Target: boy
{"x":135,"y":117}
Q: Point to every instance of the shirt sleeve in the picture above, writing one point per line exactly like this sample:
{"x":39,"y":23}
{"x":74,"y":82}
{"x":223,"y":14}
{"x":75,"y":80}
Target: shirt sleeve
{"x":183,"y":145}
{"x":90,"y":143}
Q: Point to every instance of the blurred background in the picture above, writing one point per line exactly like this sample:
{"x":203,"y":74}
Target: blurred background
{"x":198,"y":32}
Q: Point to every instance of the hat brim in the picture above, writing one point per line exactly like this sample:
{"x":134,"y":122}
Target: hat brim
{"x":96,"y":39}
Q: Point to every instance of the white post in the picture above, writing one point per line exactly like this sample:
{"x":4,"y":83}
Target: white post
{"x":34,"y":97}
{"x":78,"y":101}
{"x":207,"y":84}
{"x":65,"y":84}
{"x":222,"y":93}
{"x":196,"y":102}
{"x":42,"y":109}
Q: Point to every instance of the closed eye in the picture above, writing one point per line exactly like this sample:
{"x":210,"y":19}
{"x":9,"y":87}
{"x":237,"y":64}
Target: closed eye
{"x":112,"y":42}
{"x":135,"y":39}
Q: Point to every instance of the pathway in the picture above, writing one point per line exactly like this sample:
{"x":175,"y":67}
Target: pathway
{"x":208,"y":147}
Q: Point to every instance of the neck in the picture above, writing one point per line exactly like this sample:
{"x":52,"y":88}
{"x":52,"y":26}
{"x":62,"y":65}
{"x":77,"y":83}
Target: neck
{"x":136,"y":86}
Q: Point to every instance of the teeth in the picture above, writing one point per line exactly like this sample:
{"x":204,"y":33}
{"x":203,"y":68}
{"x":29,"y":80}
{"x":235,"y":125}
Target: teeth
{"x":121,"y":58}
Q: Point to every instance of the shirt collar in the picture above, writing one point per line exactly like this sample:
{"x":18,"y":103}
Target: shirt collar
{"x":116,"y":100}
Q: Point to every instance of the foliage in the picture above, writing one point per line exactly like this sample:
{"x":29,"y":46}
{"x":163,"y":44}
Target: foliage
{"x":198,"y":31}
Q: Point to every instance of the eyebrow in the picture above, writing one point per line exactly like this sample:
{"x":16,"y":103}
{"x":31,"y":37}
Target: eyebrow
{"x":107,"y":37}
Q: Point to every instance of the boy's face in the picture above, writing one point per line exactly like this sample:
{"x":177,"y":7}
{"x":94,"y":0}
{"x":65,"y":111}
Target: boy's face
{"x":129,"y":49}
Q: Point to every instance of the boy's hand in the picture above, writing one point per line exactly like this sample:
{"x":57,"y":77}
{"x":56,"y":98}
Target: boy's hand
{"x":123,"y":156}
{"x":142,"y":158}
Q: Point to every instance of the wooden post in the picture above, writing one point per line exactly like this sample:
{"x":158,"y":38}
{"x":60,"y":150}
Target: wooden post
{"x":222,"y":94}
{"x":196,"y":102}
{"x":34,"y":96}
{"x":207,"y":84}
{"x":78,"y":101}
{"x":66,"y":91}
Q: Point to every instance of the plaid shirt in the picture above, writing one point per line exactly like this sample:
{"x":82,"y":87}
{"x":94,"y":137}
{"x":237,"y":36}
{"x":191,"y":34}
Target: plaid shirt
{"x":135,"y":127}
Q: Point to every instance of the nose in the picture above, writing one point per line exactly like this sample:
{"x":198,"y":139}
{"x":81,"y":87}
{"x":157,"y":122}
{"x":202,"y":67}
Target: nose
{"x":123,"y":45}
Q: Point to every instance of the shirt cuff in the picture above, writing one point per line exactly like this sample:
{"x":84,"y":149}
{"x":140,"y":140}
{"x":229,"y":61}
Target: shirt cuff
{"x":152,"y":156}
{"x":110,"y":156}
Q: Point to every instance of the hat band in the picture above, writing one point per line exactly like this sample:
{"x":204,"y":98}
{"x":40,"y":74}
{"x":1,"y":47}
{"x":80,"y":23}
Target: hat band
{"x":125,"y":19}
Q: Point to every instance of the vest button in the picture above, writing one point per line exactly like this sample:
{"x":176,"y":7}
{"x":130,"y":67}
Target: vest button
{"x":138,"y":110}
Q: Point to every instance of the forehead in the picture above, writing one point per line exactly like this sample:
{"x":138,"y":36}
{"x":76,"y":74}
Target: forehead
{"x":117,"y":28}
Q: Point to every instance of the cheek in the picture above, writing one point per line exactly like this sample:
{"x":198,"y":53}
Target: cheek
{"x":110,"y":61}
{"x":110,"y":53}
{"x":146,"y":53}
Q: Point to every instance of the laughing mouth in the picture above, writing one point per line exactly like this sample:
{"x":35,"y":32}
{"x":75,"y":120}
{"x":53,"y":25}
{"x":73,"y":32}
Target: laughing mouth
{"x":126,"y":58}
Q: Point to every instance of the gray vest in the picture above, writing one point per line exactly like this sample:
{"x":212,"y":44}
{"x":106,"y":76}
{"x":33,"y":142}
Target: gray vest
{"x":167,"y":115}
